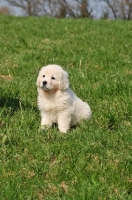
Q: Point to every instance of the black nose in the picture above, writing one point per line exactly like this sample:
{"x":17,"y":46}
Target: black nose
{"x":44,"y":82}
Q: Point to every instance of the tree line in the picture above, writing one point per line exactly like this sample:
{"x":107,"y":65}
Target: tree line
{"x":109,"y":9}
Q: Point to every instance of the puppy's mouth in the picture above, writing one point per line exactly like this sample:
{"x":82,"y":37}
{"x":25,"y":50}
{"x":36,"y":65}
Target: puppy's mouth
{"x":45,"y":88}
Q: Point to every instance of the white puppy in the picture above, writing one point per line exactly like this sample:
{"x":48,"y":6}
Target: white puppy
{"x":57,"y":102}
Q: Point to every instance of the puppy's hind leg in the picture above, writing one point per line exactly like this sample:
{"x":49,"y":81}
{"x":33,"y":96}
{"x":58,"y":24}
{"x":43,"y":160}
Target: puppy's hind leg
{"x":83,"y":111}
{"x":64,"y":121}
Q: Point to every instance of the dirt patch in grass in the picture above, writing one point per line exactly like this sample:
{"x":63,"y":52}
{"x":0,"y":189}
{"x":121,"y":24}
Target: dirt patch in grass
{"x":8,"y":77}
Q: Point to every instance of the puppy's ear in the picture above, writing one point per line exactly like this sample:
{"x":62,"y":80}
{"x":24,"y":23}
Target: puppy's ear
{"x":64,"y":82}
{"x":38,"y":82}
{"x":39,"y":75}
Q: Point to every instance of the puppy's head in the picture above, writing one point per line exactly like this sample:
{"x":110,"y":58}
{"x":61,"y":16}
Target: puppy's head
{"x":52,"y":78}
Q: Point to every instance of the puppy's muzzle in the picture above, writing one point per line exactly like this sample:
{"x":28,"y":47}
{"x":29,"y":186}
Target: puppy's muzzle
{"x":44,"y":83}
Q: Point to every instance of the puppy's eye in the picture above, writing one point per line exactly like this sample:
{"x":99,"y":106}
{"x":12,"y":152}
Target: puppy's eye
{"x":53,"y":78}
{"x":43,"y":75}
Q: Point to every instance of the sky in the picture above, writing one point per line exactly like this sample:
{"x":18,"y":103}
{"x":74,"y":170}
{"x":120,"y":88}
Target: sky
{"x":17,"y":11}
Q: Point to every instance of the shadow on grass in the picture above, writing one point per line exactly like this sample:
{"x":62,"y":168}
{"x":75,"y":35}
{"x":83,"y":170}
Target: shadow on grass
{"x":9,"y":102}
{"x":8,"y":106}
{"x":11,"y":105}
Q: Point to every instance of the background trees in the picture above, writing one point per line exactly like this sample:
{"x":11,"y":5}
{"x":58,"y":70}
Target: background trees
{"x":4,"y":10}
{"x":54,"y":8}
{"x":113,"y":9}
{"x":118,"y":9}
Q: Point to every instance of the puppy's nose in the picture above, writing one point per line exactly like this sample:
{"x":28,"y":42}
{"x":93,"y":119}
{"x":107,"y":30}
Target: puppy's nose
{"x":44,"y":82}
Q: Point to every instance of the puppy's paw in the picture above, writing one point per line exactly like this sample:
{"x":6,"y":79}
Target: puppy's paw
{"x":63,"y":130}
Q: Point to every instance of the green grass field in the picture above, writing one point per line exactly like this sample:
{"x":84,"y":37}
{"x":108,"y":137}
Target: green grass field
{"x":92,"y":161}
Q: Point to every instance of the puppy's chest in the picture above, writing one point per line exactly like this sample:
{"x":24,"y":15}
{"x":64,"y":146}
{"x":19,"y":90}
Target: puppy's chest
{"x":52,"y":106}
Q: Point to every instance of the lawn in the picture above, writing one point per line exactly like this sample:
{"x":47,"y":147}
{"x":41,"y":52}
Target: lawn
{"x":92,"y":161}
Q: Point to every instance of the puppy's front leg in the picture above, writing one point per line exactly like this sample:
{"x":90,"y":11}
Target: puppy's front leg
{"x":45,"y":120}
{"x":64,"y":121}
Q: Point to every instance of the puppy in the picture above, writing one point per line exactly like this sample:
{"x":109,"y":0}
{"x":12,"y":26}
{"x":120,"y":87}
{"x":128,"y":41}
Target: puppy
{"x":57,"y":102}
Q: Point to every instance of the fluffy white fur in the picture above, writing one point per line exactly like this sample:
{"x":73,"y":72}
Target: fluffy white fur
{"x":57,"y":102}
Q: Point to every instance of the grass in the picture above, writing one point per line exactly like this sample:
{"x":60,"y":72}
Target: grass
{"x":92,"y":161}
